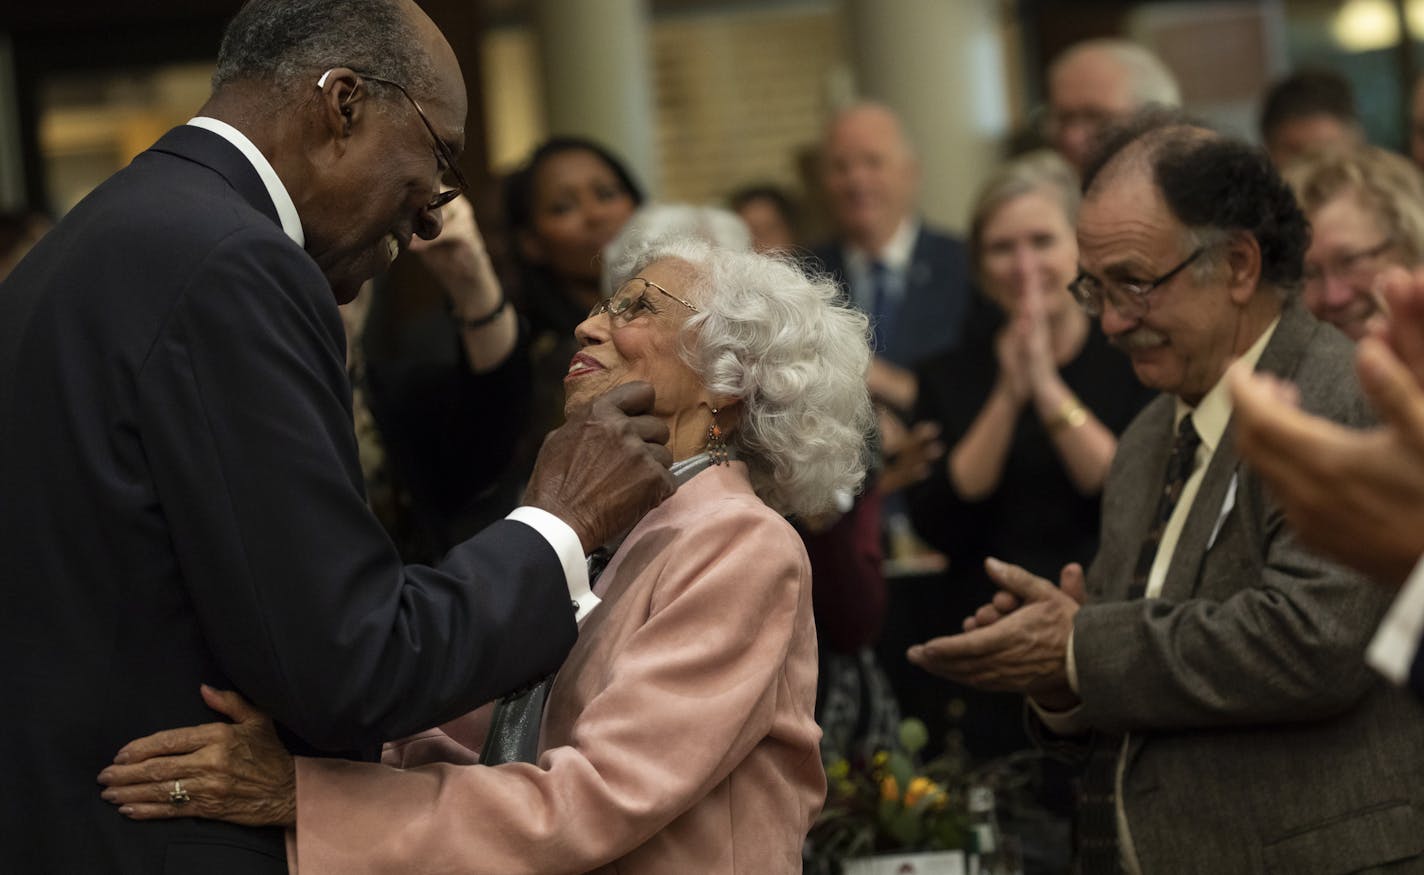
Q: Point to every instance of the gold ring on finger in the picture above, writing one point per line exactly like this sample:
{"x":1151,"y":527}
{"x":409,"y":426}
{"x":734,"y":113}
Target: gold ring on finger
{"x":178,"y":796}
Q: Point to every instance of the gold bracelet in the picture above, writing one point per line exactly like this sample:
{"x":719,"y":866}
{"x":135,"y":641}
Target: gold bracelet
{"x":1071,"y":414}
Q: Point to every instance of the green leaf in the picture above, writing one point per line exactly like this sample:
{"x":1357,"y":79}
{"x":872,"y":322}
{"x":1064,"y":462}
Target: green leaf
{"x":903,"y":770}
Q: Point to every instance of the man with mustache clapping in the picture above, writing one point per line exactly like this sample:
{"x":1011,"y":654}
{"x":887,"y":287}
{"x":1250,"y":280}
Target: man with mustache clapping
{"x":1207,"y":668}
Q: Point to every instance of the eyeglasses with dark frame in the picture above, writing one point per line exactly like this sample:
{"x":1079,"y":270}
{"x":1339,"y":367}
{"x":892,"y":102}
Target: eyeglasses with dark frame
{"x":620,"y":307}
{"x":442,"y":151}
{"x":1129,"y":299}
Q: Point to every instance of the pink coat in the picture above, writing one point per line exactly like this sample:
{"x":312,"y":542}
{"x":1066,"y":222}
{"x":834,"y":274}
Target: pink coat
{"x":678,"y":736}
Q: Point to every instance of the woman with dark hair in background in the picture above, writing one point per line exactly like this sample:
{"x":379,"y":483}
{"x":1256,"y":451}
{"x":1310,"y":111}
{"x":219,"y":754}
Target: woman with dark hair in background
{"x":568,"y":201}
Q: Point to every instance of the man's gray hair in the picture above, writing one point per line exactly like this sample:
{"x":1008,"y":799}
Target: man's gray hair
{"x":277,"y":41}
{"x":796,"y":357}
{"x":1148,"y":78}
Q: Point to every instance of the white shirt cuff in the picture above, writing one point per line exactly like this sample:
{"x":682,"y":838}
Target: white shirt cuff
{"x":570,"y":552}
{"x":1068,"y":722}
{"x":1393,"y":649}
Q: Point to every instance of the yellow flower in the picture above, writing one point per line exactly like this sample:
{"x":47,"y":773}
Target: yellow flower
{"x":918,"y":789}
{"x":889,"y":789}
{"x":838,"y":768}
{"x":881,"y":758}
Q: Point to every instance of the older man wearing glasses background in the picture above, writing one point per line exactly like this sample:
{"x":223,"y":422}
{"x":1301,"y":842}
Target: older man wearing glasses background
{"x":1207,"y":666}
{"x":182,"y":496}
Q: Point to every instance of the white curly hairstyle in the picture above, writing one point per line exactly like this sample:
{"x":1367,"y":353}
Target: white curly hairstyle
{"x":781,"y":342}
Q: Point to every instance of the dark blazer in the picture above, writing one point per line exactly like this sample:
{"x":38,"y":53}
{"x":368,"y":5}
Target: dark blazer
{"x":182,"y":503}
{"x":937,"y":291}
{"x":1258,"y":739}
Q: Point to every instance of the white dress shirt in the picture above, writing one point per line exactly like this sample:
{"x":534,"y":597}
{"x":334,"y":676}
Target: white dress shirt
{"x":895,"y":256}
{"x":1395,"y":645}
{"x":560,"y":536}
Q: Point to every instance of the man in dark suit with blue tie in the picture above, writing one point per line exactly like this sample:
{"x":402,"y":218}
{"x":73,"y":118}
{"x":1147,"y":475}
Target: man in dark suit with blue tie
{"x":182,"y":496}
{"x":912,"y":280}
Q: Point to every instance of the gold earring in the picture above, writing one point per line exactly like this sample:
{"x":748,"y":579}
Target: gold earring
{"x":716,"y":442}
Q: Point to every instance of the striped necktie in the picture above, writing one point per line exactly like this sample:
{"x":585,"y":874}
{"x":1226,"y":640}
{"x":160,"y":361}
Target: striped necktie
{"x":1098,"y":851}
{"x":1179,"y":469}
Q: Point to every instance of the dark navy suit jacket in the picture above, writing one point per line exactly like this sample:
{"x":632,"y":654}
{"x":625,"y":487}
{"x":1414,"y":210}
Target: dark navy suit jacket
{"x":936,"y":300}
{"x":181,"y":502}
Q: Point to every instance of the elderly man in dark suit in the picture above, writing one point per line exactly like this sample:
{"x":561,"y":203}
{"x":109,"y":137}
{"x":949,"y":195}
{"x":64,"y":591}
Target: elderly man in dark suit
{"x":182,"y":497}
{"x":1215,"y":664}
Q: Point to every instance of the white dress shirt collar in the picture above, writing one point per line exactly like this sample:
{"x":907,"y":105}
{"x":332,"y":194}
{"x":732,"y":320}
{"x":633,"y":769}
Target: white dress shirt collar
{"x":896,"y":253}
{"x":286,"y":210}
{"x":1213,"y":412}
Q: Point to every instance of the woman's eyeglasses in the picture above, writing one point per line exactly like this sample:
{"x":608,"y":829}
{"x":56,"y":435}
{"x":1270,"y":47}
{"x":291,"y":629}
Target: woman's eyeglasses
{"x":631,"y":301}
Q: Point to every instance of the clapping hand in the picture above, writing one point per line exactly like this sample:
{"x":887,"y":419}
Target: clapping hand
{"x":1018,"y":642}
{"x":1357,"y":496}
{"x":910,"y":453}
{"x":1025,"y":347}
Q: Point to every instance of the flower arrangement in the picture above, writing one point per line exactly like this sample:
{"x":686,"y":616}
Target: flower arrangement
{"x":893,"y":802}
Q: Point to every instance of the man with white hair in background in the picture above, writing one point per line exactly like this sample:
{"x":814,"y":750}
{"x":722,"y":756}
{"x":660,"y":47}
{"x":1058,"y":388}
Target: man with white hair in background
{"x":1097,"y":83}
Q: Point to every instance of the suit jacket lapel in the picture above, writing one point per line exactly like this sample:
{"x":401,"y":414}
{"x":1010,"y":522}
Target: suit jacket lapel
{"x":1280,"y":357}
{"x":204,"y":147}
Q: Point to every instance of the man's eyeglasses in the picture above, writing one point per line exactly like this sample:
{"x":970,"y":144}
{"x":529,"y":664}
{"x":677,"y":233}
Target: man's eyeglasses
{"x":631,"y":301}
{"x":458,"y":185}
{"x":1128,"y":299}
{"x":1355,"y":268}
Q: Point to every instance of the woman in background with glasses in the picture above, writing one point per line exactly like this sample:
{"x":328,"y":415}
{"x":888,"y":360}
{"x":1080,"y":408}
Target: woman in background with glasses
{"x":1030,"y":405}
{"x":1366,"y":213}
{"x":679,"y":735}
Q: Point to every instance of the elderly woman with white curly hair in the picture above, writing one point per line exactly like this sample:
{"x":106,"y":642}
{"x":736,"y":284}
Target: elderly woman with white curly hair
{"x":678,"y":736}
